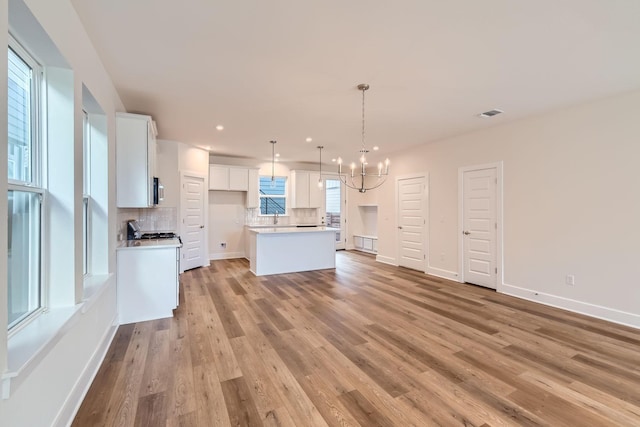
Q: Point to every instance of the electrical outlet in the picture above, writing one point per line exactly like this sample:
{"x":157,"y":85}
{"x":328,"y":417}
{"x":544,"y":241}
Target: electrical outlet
{"x":223,"y":245}
{"x":570,"y":279}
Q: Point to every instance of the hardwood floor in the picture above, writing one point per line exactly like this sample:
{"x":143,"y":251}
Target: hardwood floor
{"x":365,"y":344}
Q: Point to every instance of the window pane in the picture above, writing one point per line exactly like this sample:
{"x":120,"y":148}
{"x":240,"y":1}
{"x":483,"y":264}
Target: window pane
{"x":86,"y":172}
{"x":272,"y":195}
{"x":271,"y":205}
{"x":24,"y":254}
{"x":275,"y":187}
{"x":19,"y":119}
{"x":85,"y":235}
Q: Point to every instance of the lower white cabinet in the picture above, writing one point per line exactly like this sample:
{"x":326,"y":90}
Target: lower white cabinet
{"x":147,"y":283}
{"x":365,"y":243}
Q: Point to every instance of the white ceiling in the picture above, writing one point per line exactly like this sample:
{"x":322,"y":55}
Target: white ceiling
{"x":288,"y":69}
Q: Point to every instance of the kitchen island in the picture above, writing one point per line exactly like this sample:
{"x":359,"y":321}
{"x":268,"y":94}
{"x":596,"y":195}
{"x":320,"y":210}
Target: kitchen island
{"x":291,"y":249}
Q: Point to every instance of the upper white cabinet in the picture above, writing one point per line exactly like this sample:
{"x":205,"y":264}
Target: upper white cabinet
{"x":305,"y":192}
{"x":253,"y":193}
{"x":238,"y":179}
{"x":135,"y":160}
{"x":218,"y":177}
{"x":228,"y":178}
{"x":315,"y":192}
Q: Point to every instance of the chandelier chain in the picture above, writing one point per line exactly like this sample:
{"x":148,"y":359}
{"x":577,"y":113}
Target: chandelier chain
{"x":363,"y":146}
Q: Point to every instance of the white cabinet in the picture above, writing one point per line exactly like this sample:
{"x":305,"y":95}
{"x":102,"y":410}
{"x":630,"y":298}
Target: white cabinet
{"x":218,"y":177}
{"x":238,"y":179}
{"x":315,"y":192}
{"x":305,"y":192}
{"x":147,"y":283}
{"x":228,"y":178}
{"x":253,"y":193}
{"x":365,"y":243}
{"x":135,"y":160}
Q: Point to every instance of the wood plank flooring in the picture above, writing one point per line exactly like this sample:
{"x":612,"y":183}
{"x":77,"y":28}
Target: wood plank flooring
{"x":365,"y":344}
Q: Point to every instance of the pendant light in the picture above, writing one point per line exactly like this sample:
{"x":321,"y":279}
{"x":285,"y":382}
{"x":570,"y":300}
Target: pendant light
{"x":273,"y":164}
{"x":355,"y":180}
{"x":320,"y":147}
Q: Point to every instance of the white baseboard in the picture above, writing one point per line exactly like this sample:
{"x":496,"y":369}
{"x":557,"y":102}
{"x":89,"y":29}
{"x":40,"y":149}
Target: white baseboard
{"x":445,"y":274}
{"x":226,"y":255}
{"x":600,"y":312}
{"x":81,"y":387}
{"x":386,"y":260}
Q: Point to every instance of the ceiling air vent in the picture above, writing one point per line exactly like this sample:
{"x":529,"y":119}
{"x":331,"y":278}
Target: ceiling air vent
{"x":490,"y":113}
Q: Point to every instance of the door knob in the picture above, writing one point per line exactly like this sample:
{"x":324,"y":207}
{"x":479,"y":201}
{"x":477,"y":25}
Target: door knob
{"x":399,"y":227}
{"x":202,"y":226}
{"x":466,"y":233}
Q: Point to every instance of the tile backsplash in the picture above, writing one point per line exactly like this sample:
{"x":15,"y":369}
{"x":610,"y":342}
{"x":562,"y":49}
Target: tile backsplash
{"x":295,"y":217}
{"x":155,"y":219}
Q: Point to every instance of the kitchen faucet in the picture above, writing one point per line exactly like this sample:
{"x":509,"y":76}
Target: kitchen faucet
{"x":275,"y":218}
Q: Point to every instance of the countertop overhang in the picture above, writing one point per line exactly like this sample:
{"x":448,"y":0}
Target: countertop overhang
{"x":149,"y":244}
{"x":285,"y":230}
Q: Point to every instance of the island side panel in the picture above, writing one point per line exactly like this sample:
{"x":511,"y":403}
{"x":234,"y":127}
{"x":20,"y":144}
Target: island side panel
{"x":277,"y":253}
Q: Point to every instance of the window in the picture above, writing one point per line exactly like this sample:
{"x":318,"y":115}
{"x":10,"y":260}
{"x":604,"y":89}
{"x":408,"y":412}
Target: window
{"x":25,"y":191}
{"x":86,"y":198}
{"x":273,"y":195}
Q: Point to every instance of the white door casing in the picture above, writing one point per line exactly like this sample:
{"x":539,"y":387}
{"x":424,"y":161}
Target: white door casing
{"x":411,"y":214}
{"x":341,"y":236}
{"x":193,"y":221}
{"x":480,"y":224}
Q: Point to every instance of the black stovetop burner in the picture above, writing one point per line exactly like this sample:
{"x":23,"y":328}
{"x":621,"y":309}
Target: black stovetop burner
{"x":151,"y":236}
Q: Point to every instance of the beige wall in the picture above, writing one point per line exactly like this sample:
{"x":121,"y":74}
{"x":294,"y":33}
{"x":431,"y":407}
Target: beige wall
{"x":571,"y":204}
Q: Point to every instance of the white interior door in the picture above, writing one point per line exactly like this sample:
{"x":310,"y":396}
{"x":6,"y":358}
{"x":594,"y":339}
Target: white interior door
{"x":334,"y":209}
{"x":479,"y":226}
{"x":192,"y":202}
{"x":411,"y":222}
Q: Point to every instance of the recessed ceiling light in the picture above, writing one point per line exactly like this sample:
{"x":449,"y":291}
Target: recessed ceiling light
{"x":220,"y":127}
{"x":309,"y":139}
{"x":333,"y":160}
{"x":490,"y":113}
{"x":277,"y":154}
{"x":376,"y":148}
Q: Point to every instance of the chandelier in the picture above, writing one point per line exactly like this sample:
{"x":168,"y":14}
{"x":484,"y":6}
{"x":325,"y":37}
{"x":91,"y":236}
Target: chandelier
{"x":356,"y":180}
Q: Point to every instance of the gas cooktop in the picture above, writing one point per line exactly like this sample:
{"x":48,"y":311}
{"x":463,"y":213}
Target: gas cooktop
{"x":150,"y":236}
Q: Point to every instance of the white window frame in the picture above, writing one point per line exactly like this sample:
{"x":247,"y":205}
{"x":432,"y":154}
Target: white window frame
{"x":37,"y":183}
{"x":86,"y":195}
{"x":270,"y":196}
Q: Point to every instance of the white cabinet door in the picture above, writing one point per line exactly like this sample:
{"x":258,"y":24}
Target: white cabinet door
{"x":315,"y":192}
{"x":228,"y":178}
{"x":238,"y":179}
{"x":253,"y":191}
{"x":147,"y":280}
{"x":299,"y":189}
{"x":300,"y":195}
{"x":218,"y":177}
{"x":367,"y":244}
{"x":135,"y":160}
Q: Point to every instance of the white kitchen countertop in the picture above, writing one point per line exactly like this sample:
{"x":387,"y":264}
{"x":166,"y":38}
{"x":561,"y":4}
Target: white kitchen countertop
{"x":281,"y":225}
{"x":284,"y":230}
{"x":148,"y":244}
